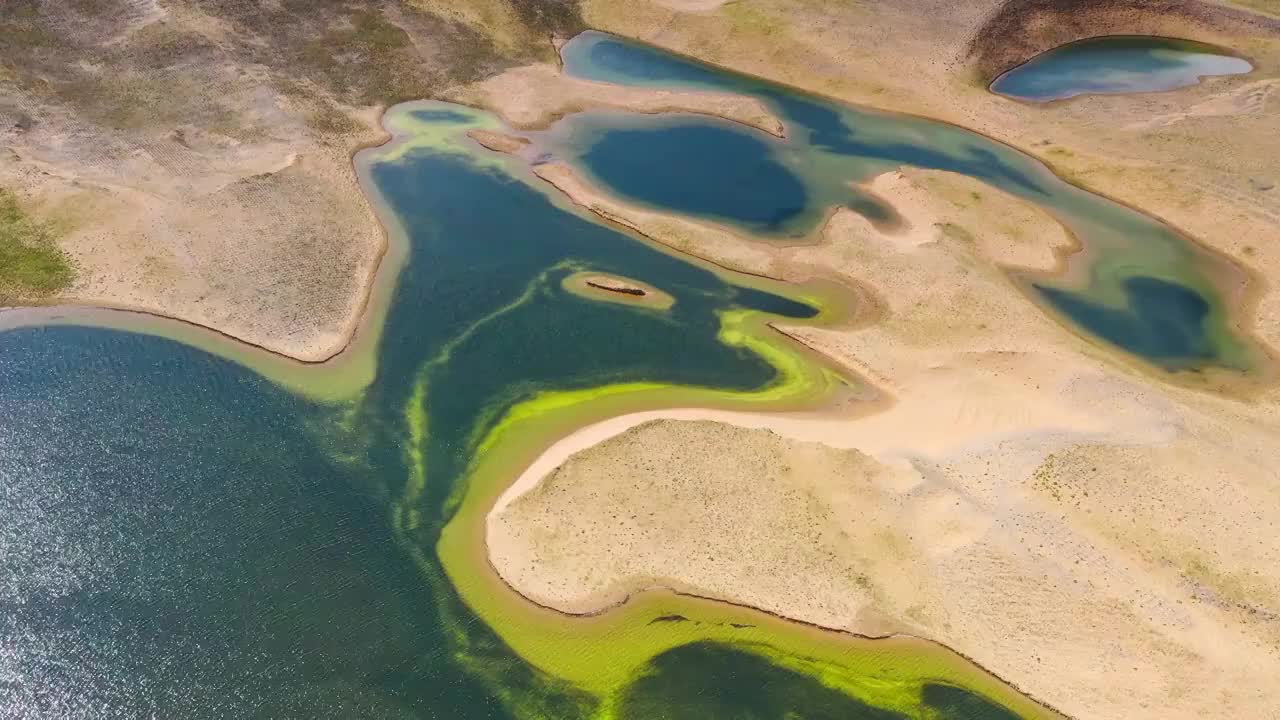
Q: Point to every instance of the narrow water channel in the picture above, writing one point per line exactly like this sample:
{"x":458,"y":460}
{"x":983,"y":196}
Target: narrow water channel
{"x":183,"y":538}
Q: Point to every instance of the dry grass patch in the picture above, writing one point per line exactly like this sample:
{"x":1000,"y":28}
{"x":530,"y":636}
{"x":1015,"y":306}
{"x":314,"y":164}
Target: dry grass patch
{"x":31,"y":265}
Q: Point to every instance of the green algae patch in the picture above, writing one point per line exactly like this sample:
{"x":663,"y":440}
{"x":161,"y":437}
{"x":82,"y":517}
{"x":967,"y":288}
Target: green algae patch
{"x":1137,"y":279}
{"x":31,"y":264}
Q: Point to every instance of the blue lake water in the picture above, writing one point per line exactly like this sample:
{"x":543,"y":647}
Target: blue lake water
{"x":1131,"y":260}
{"x":185,"y":539}
{"x":1116,"y":65}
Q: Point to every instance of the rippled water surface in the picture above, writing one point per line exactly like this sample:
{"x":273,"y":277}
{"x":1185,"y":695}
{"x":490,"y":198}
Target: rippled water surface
{"x":182,"y":538}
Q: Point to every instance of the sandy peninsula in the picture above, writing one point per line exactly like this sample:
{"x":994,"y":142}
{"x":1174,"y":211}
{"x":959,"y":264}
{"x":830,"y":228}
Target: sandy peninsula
{"x":1095,"y":536}
{"x":1098,"y":536}
{"x":534,"y":96}
{"x":232,"y":203}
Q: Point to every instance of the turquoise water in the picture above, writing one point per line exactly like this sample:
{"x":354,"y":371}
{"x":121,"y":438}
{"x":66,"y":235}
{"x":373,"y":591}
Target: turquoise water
{"x":669,"y":691}
{"x":1116,"y":65}
{"x":182,"y":538}
{"x":185,"y":539}
{"x":1133,"y":263}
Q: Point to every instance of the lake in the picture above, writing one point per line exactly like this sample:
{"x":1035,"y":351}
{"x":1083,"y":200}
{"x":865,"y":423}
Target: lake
{"x":186,"y":538}
{"x":1117,"y":65}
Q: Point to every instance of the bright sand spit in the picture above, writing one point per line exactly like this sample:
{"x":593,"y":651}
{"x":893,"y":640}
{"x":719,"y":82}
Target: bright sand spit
{"x":1099,"y":538}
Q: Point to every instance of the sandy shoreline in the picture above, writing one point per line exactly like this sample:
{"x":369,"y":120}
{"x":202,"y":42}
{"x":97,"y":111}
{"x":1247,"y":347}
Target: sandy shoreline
{"x":985,"y":415}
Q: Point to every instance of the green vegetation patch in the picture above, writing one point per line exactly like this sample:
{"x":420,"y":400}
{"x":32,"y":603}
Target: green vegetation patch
{"x":31,"y":265}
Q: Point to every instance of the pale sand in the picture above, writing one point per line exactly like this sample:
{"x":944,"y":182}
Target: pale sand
{"x":499,"y":142}
{"x":698,"y":6}
{"x":534,"y":96}
{"x":1211,"y":172}
{"x":614,"y":289}
{"x":1100,"y":539}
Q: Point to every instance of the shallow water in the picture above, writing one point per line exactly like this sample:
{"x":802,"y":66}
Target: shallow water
{"x":185,"y":539}
{"x":830,"y":145}
{"x":1116,"y":65}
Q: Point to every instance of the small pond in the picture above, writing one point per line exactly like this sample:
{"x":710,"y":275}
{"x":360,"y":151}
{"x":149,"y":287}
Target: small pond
{"x":1116,"y":65}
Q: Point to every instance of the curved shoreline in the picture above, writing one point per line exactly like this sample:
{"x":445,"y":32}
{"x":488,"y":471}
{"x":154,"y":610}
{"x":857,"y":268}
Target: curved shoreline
{"x":1224,"y":52}
{"x":1067,"y":258}
{"x":1254,"y":284}
{"x":285,"y":369}
{"x":530,"y":628}
{"x":612,"y":288}
{"x":298,"y":373}
{"x":343,"y":368}
{"x":659,"y":591}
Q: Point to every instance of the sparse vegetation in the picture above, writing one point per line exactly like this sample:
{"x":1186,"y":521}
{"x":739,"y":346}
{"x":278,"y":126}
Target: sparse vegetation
{"x":165,"y":71}
{"x":1022,"y":29}
{"x":550,"y":17}
{"x":31,"y":265}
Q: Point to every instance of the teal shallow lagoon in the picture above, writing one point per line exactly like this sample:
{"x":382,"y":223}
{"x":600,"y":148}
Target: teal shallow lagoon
{"x":830,"y":147}
{"x":1116,"y":65}
{"x":186,"y":539}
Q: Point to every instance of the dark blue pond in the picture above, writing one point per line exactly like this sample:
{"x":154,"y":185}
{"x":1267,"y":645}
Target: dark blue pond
{"x":700,"y":169}
{"x":1163,"y":321}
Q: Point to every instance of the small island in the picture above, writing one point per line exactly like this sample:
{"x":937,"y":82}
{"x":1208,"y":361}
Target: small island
{"x":612,"y":288}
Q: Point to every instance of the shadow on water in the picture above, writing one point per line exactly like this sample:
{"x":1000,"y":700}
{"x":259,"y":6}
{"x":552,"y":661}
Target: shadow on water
{"x":951,"y":702}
